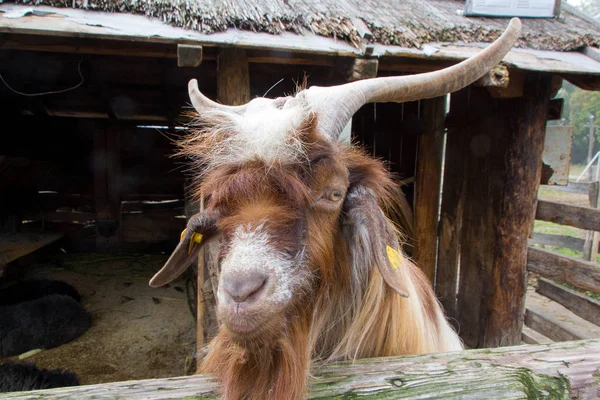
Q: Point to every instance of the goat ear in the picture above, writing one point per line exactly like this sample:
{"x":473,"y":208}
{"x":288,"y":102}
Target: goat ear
{"x":372,"y":239}
{"x":199,"y":228}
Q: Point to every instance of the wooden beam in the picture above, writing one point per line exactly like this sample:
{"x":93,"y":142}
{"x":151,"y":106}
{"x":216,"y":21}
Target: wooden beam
{"x":548,"y":239}
{"x":189,"y":55}
{"x":502,"y":157}
{"x":233,"y":77}
{"x":534,"y":337}
{"x":496,"y":77}
{"x":363,"y":69}
{"x":587,"y":218}
{"x":559,"y":370}
{"x":582,"y":305}
{"x":107,"y":188}
{"x":514,"y":89}
{"x":555,"y":321}
{"x":581,"y":274}
{"x":523,"y":168}
{"x":429,"y":178}
{"x":451,"y":216}
{"x":17,"y":245}
{"x":590,"y":249}
{"x":549,"y":326}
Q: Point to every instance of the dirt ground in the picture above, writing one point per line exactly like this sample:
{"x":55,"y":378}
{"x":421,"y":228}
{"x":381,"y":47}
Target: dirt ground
{"x":138,"y":332}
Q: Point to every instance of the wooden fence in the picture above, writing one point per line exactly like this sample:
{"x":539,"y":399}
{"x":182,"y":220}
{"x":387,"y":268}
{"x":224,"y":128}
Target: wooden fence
{"x":559,"y":371}
{"x":542,"y":314}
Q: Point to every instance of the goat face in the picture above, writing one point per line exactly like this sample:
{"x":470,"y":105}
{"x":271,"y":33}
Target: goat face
{"x":269,"y":217}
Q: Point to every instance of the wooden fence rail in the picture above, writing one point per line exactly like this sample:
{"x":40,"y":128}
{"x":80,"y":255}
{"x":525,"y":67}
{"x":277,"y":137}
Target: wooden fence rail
{"x":565,"y":214}
{"x":549,"y":239}
{"x":581,"y":274}
{"x":559,"y":371}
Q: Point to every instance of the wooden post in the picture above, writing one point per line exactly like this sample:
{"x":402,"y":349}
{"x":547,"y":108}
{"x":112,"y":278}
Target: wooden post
{"x":233,"y":77}
{"x":502,"y":167}
{"x":233,"y":88}
{"x":107,"y":193}
{"x":428,"y":180}
{"x":590,"y":248}
{"x":451,"y":216}
{"x":523,"y":168}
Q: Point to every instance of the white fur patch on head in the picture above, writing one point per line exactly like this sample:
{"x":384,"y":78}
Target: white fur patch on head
{"x":267,"y":129}
{"x":251,"y":251}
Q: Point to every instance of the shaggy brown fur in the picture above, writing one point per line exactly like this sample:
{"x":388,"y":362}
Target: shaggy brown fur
{"x":341,"y":307}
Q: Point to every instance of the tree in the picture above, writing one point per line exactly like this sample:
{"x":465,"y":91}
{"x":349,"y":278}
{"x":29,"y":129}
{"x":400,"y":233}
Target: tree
{"x":578,"y":106}
{"x":590,"y":7}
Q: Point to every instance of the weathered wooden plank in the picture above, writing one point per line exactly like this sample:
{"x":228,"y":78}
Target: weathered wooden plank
{"x":559,"y":370}
{"x":17,"y":245}
{"x":578,"y":273}
{"x":451,"y":215}
{"x":534,"y":337}
{"x":107,"y":188}
{"x":565,"y":214}
{"x":526,"y":122}
{"x":580,"y":304}
{"x":429,"y":178}
{"x":548,"y":239}
{"x":189,"y":55}
{"x":481,"y":179}
{"x":557,"y":322}
{"x":573,"y":187}
{"x":590,"y":249}
{"x":550,"y":327}
{"x":233,"y":77}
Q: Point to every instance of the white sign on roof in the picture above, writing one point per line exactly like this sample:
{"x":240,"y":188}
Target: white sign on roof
{"x":512,"y":8}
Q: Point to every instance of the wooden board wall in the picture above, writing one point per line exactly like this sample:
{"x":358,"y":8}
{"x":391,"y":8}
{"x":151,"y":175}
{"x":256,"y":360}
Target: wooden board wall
{"x":494,"y":170}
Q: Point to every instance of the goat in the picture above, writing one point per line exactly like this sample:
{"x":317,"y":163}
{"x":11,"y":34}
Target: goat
{"x":311,"y":268}
{"x":24,"y":377}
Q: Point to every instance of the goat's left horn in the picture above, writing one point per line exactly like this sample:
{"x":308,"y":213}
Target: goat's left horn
{"x":202,"y":103}
{"x":334,"y":106}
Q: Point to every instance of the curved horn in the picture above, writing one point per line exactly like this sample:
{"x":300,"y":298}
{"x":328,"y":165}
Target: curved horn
{"x":202,"y":103}
{"x":334,"y":106}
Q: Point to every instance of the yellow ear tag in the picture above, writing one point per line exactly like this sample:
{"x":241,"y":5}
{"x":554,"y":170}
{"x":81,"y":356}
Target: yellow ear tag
{"x":196,"y":238}
{"x":394,"y":257}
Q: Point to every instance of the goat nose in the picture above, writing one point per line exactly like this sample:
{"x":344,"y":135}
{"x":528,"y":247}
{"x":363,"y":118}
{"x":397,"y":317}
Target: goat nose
{"x":240,"y":288}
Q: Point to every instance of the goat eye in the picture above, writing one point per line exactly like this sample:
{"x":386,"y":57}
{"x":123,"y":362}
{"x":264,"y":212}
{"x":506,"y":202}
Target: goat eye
{"x":335,"y":195}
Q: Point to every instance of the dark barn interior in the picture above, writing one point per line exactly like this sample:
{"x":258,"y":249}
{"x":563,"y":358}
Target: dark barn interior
{"x":93,"y":195}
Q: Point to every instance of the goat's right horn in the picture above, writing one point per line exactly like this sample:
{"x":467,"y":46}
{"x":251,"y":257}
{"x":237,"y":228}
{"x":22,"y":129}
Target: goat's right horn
{"x":334,"y":106}
{"x":202,"y":103}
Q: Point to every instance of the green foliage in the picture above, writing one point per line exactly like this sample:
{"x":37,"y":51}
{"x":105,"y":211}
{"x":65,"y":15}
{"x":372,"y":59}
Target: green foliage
{"x":578,"y":107}
{"x":590,"y":7}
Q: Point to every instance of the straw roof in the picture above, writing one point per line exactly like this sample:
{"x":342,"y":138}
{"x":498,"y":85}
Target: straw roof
{"x":410,"y":23}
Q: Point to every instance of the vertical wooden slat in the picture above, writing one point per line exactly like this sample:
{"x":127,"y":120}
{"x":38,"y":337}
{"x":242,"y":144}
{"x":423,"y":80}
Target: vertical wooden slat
{"x":451,"y":215}
{"x":427,"y":187}
{"x":483,"y":147}
{"x":502,"y":167}
{"x":107,"y":193}
{"x":590,"y":248}
{"x":233,"y":77}
{"x":526,"y":127}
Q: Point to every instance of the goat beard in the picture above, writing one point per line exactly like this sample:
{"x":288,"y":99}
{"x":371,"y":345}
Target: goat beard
{"x":274,"y":366}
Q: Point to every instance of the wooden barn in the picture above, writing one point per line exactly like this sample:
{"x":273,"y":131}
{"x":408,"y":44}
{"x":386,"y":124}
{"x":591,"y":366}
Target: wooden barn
{"x":93,"y":93}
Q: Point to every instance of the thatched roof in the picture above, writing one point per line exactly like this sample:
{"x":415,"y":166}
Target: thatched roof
{"x":410,"y":23}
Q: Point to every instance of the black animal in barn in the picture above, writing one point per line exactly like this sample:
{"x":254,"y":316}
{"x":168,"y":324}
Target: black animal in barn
{"x":34,"y":289}
{"x":22,"y":377}
{"x":48,"y":315}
